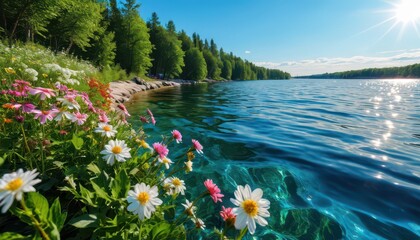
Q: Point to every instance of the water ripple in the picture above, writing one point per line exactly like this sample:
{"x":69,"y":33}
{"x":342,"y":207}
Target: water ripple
{"x":347,"y":151}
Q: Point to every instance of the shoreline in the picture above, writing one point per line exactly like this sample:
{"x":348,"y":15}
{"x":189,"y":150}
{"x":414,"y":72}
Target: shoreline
{"x":122,"y":91}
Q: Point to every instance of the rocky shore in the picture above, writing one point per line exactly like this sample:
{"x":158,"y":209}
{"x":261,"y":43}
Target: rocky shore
{"x":121,"y":91}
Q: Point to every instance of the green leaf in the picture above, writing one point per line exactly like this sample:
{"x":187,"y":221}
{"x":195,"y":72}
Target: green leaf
{"x":38,"y":204}
{"x":120,"y":185}
{"x":53,"y":232}
{"x":87,"y":195}
{"x":161,"y":230}
{"x":100,"y":192}
{"x":77,"y":142}
{"x":55,"y":215}
{"x":2,"y":159}
{"x":12,"y":236}
{"x":85,"y":221}
{"x":93,"y":168}
{"x":59,"y":164}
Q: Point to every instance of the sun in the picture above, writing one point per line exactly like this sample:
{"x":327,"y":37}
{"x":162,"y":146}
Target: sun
{"x":407,"y":11}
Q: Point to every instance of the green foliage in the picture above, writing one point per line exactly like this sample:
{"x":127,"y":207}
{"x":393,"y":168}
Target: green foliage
{"x":133,"y":44}
{"x":114,"y":37}
{"x":167,"y":55}
{"x":37,"y":64}
{"x":76,"y":24}
{"x":226,"y":71}
{"x":112,"y":73}
{"x":30,"y":16}
{"x":187,"y":43}
{"x":195,"y":65}
{"x":213,"y":69}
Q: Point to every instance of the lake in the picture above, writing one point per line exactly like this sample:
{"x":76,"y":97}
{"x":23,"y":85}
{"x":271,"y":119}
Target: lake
{"x":337,"y":159}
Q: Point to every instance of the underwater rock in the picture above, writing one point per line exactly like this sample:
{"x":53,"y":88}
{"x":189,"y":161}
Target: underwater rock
{"x":307,"y":224}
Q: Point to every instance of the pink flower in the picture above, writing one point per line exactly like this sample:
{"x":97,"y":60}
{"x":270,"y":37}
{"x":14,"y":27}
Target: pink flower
{"x":103,"y":117}
{"x":79,"y":118}
{"x":43,"y":92}
{"x":85,"y":98}
{"x":161,"y":149}
{"x":228,"y":215}
{"x":21,"y":88}
{"x":28,"y":107}
{"x":152,"y":118}
{"x":213,"y":190}
{"x":177,"y":136}
{"x":45,"y":115}
{"x":197,"y":146}
{"x":61,"y":87}
{"x":122,"y":107}
{"x":143,"y":119}
{"x":20,"y":118}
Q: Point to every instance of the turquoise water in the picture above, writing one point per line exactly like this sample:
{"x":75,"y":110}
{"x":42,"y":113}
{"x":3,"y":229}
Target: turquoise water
{"x":338,"y":159}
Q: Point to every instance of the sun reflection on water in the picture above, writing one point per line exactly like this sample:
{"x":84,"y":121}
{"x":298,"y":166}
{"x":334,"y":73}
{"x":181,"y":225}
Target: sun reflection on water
{"x":389,"y":101}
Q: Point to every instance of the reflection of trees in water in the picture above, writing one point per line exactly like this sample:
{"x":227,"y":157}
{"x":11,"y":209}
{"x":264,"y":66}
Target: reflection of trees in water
{"x":188,"y":104}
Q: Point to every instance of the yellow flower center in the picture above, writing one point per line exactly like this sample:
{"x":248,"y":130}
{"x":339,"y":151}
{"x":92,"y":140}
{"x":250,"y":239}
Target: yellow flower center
{"x":143,"y":198}
{"x":14,"y":185}
{"x":250,"y":207}
{"x":176,"y":182}
{"x":116,"y":150}
{"x":165,"y":160}
{"x":106,"y":128}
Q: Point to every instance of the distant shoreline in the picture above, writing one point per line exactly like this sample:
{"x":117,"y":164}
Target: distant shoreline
{"x":405,"y":72}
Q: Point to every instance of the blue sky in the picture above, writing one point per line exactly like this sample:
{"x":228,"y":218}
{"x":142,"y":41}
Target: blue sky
{"x":301,"y":36}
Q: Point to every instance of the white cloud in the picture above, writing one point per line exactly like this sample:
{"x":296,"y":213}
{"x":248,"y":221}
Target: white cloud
{"x":323,"y":65}
{"x":247,"y":52}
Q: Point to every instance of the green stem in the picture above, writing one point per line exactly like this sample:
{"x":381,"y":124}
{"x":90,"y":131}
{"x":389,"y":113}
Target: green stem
{"x":35,"y":222}
{"x":26,"y":144}
{"x":42,"y":150}
{"x":192,"y":205}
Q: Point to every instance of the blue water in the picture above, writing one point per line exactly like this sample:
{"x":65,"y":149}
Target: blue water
{"x":338,"y":159}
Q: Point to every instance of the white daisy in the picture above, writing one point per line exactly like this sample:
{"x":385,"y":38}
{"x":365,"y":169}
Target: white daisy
{"x":165,"y":161}
{"x":105,"y":130}
{"x":63,"y":115}
{"x":142,"y":200}
{"x":250,"y":208}
{"x":13,"y":185}
{"x":189,"y":208}
{"x":174,"y":185}
{"x":199,"y":223}
{"x":116,"y":150}
{"x":70,"y":102}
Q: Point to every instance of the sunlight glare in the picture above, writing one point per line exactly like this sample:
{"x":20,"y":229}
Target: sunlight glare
{"x":407,"y":11}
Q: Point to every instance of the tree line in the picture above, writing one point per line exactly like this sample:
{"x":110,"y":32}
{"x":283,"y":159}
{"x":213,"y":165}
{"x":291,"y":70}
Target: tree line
{"x":111,"y":35}
{"x":410,"y":71}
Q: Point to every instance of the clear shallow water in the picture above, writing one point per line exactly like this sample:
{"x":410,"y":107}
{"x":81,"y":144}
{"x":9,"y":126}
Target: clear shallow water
{"x":338,"y":159}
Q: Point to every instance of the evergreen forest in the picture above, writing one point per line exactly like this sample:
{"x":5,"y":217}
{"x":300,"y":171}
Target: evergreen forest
{"x":112,"y":35}
{"x":410,"y":71}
